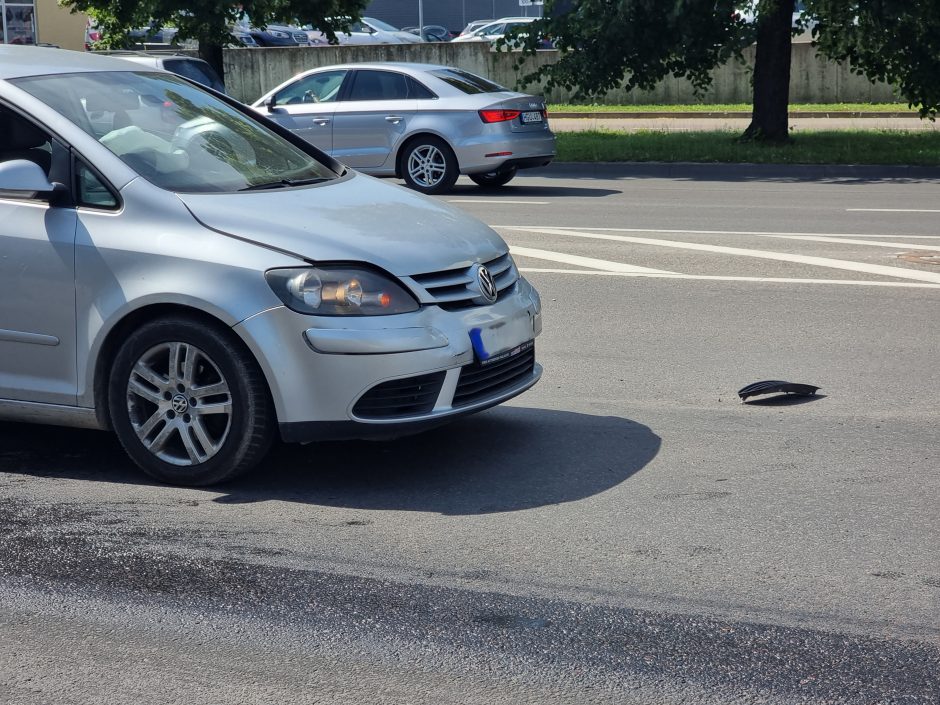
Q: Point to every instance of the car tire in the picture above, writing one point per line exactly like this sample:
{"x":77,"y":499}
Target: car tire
{"x":494,"y":179}
{"x":189,"y":403}
{"x":428,"y":165}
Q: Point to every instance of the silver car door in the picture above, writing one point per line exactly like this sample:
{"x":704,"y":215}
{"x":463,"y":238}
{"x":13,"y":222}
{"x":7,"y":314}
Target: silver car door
{"x":372,"y":118}
{"x":37,"y":279}
{"x":306,"y":107}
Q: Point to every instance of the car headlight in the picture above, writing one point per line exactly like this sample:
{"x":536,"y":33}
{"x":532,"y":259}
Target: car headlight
{"x":279,"y":34}
{"x":340,"y":291}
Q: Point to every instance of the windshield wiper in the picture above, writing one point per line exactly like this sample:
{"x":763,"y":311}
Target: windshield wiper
{"x":284,"y":183}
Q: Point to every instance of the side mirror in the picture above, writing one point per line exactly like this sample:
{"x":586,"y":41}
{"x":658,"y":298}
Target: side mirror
{"x":271,"y":103}
{"x":23,"y":176}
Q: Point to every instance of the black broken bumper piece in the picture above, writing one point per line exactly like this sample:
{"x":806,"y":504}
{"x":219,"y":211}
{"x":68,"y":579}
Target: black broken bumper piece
{"x":772,"y":386}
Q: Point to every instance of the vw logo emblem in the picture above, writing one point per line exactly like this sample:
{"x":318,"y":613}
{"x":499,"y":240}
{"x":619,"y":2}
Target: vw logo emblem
{"x":180,"y":404}
{"x":488,"y":290}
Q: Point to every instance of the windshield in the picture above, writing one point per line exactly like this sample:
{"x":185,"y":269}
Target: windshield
{"x":378,"y":24}
{"x":174,"y":134}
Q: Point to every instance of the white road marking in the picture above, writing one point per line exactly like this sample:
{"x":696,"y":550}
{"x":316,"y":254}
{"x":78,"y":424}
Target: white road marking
{"x":500,"y":200}
{"x":876,"y":269}
{"x":601,"y":264}
{"x":723,"y":232}
{"x":780,"y":280}
{"x":853,"y":241}
{"x":891,"y":210}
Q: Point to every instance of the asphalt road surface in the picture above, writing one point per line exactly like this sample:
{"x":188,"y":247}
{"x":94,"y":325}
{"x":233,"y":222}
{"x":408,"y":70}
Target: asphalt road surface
{"x":625,"y":532}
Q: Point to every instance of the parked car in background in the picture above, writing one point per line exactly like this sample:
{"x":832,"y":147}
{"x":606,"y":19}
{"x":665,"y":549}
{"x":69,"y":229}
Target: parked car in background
{"x":190,"y":67}
{"x":203,"y":281}
{"x":432,"y":33}
{"x":474,"y":26}
{"x":386,"y":33}
{"x":495,"y":31}
{"x":423,"y":123}
{"x":365,"y":31}
{"x":279,"y":36}
{"x":357,"y":34}
{"x":165,"y":38}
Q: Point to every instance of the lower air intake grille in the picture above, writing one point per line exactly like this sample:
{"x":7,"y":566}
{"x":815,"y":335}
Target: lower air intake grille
{"x":479,"y":382}
{"x":400,"y":397}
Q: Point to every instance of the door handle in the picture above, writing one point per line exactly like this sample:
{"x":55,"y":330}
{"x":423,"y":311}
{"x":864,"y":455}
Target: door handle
{"x":321,"y":121}
{"x":394,"y":119}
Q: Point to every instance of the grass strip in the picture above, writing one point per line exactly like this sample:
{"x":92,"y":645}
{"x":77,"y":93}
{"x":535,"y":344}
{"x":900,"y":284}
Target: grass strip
{"x":731,"y":108}
{"x":842,"y":147}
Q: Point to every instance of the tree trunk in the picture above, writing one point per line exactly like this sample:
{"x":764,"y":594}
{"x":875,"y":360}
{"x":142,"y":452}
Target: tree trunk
{"x":212,"y":55}
{"x":772,"y":73}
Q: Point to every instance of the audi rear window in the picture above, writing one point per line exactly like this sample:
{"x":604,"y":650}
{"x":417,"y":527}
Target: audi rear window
{"x":467,"y":82}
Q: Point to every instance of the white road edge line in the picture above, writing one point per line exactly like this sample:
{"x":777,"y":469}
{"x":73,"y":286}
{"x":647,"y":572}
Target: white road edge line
{"x":891,"y":210}
{"x":481,"y":200}
{"x":703,"y":277}
{"x":853,"y":241}
{"x":721,"y":232}
{"x":847,"y":265}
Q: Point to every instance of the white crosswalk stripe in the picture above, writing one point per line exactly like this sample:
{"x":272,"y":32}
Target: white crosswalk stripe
{"x":810,"y":260}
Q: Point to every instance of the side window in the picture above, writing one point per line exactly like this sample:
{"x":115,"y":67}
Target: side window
{"x":316,"y":88}
{"x":417,"y":91}
{"x":379,"y":85}
{"x":90,"y":191}
{"x":23,"y":140}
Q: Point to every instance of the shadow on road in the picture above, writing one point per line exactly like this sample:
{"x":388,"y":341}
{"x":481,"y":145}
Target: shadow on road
{"x":523,"y":190}
{"x":848,"y":175}
{"x":503,"y":460}
{"x":784,"y":400}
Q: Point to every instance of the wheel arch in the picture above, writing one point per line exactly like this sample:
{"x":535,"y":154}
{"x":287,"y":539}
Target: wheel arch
{"x":407,"y":142}
{"x":132,"y":320}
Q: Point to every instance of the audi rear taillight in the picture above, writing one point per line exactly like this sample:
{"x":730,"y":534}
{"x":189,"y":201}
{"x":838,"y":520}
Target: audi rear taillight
{"x":499,"y":115}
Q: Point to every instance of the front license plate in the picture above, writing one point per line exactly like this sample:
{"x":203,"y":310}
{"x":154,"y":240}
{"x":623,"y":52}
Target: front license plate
{"x":534,"y":116}
{"x":518,"y":350}
{"x":499,"y":340}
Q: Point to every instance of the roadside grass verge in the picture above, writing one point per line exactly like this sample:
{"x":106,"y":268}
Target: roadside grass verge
{"x":732,"y":108}
{"x":842,"y":147}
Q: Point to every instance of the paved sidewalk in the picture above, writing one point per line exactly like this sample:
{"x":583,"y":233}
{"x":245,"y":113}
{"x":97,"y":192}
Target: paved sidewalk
{"x":735,"y":124}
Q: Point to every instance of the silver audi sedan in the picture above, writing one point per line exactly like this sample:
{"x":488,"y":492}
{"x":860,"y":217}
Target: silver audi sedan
{"x":198,"y":279}
{"x":423,"y":123}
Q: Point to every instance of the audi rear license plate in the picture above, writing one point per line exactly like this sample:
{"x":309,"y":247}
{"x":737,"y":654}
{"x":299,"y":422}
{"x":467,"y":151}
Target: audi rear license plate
{"x":532,"y":116}
{"x":506,"y":338}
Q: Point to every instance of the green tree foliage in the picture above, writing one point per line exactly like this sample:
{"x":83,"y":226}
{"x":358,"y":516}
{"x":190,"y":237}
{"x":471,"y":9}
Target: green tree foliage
{"x":896,"y":41}
{"x":209,"y":21}
{"x":636,"y":43}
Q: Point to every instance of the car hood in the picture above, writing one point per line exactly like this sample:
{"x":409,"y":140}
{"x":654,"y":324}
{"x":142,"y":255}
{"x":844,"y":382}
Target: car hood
{"x":356,"y":218}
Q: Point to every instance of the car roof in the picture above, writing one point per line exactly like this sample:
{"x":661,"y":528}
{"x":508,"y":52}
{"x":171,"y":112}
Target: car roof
{"x":20,"y":61}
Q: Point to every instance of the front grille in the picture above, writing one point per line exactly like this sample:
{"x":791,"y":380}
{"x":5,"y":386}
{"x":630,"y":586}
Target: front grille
{"x":400,"y":397}
{"x":455,"y":288}
{"x":478,"y":382}
{"x":301,"y":37}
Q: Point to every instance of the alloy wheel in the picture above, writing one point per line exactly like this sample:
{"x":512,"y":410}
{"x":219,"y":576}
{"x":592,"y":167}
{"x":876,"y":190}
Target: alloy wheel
{"x":427,"y":165}
{"x":179,"y":404}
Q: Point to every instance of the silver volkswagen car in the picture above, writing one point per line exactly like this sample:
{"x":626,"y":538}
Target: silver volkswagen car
{"x":198,"y":279}
{"x":423,"y":123}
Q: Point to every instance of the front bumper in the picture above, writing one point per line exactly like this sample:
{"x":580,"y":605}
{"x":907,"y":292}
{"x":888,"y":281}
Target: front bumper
{"x":318,"y":368}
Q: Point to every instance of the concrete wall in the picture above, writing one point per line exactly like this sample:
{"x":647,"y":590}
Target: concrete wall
{"x":251,"y":72}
